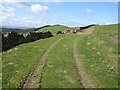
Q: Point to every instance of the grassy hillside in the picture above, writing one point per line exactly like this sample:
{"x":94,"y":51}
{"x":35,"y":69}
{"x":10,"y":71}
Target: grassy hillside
{"x":30,"y":29}
{"x":25,"y":32}
{"x":55,"y":28}
{"x":19,"y":61}
{"x":98,"y":53}
{"x":60,"y":66}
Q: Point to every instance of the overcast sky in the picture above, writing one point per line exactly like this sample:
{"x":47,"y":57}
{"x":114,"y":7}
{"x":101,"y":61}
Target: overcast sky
{"x":72,"y":14}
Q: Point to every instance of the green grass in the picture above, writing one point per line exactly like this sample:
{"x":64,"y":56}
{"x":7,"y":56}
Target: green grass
{"x":60,"y":71}
{"x":20,"y":60}
{"x":99,"y":54}
{"x":54,"y":29}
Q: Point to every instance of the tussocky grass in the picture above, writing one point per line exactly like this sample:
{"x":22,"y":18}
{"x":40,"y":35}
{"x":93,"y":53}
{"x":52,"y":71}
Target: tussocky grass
{"x":99,"y":53}
{"x":60,"y":70}
{"x":21,"y":60}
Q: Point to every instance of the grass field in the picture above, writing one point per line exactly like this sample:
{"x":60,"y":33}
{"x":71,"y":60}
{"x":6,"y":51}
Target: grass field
{"x":98,"y":52}
{"x":19,"y":61}
{"x":60,"y":71}
{"x":56,"y":28}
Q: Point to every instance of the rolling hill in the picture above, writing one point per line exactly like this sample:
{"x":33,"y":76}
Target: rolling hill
{"x":55,"y":28}
{"x":7,"y":30}
{"x":45,"y":28}
{"x":84,"y":60}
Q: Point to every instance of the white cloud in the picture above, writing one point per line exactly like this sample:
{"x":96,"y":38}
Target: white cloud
{"x":7,"y":9}
{"x":8,"y":19}
{"x":107,"y":23}
{"x":10,"y":15}
{"x":89,"y":10}
{"x":59,"y":0}
{"x":93,"y":23}
{"x":29,"y":22}
{"x":22,"y":4}
{"x":51,"y":1}
{"x":14,"y":0}
{"x":2,"y":8}
{"x":7,"y":15}
{"x":27,"y":18}
{"x":19,"y":4}
{"x":37,"y":8}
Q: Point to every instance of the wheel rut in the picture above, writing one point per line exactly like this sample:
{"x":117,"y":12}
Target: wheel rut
{"x":34,"y":78}
{"x":84,"y":78}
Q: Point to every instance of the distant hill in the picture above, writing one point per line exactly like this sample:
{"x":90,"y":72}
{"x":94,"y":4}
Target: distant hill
{"x":42,"y":27}
{"x":50,"y":28}
{"x":55,"y":28}
{"x":5,"y":30}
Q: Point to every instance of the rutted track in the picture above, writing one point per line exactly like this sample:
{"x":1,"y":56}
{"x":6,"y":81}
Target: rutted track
{"x":34,"y":77}
{"x":60,"y":70}
{"x":87,"y":83}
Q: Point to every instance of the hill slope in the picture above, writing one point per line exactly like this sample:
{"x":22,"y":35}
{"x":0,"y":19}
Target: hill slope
{"x":55,"y":28}
{"x":97,"y":53}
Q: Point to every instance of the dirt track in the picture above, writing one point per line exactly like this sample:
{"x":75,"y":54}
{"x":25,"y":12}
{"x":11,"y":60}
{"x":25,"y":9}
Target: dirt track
{"x":87,"y":83}
{"x":33,"y":80}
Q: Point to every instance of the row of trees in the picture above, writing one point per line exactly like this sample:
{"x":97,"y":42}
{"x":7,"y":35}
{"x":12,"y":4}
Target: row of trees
{"x":13,"y":39}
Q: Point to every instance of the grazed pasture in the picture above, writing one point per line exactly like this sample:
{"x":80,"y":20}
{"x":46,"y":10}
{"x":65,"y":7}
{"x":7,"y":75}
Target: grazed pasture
{"x":97,"y":51}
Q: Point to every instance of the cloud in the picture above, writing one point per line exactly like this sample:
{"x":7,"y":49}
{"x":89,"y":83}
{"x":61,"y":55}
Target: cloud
{"x":27,"y":18}
{"x":57,"y":1}
{"x":30,"y":22}
{"x":14,"y":0}
{"x":7,"y":9}
{"x":93,"y":23}
{"x":7,"y":15}
{"x":2,"y":8}
{"x":8,"y":19}
{"x":89,"y":10}
{"x":37,"y":8}
{"x":97,"y":21}
{"x":108,"y":23}
{"x":22,"y":4}
{"x":19,"y":4}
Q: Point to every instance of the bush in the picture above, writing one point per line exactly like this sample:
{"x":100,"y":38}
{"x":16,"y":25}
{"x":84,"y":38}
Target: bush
{"x":13,"y":39}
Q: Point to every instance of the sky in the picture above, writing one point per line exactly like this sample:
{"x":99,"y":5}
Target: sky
{"x":72,"y":14}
